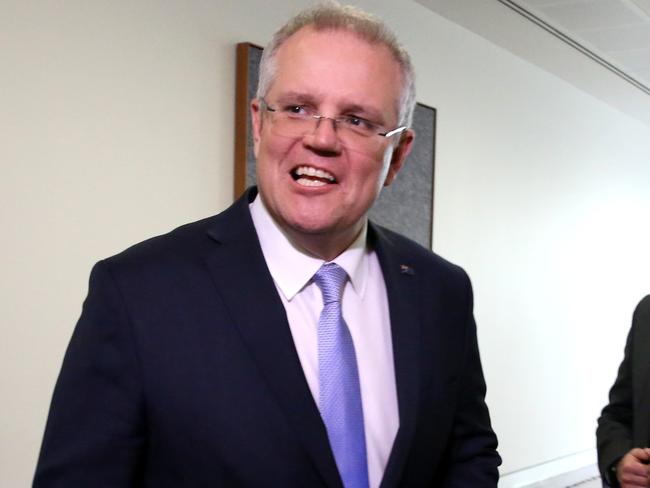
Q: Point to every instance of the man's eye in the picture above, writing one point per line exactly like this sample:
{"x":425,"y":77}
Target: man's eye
{"x":354,"y":121}
{"x":295,"y":109}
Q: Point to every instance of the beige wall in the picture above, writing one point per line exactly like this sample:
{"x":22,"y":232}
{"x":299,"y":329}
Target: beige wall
{"x":116,"y":123}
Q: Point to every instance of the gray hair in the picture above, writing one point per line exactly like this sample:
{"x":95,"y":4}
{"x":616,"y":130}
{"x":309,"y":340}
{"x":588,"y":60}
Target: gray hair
{"x":333,"y":16}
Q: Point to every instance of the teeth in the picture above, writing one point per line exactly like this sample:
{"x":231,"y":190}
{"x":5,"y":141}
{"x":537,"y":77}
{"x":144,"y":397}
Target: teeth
{"x":311,"y":171}
{"x":306,"y":182}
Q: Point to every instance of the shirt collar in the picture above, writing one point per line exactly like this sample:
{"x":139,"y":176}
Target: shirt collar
{"x":291,"y":268}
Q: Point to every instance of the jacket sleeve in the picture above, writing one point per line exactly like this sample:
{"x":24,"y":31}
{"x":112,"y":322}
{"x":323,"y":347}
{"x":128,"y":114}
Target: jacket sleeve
{"x":472,"y":456}
{"x":94,"y":434}
{"x":614,"y":434}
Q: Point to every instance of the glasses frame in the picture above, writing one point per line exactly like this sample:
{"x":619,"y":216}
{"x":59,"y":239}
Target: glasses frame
{"x":337,"y":120}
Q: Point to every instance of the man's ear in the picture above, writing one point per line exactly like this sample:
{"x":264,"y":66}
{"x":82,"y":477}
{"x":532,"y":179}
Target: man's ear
{"x":399,"y":155}
{"x":256,"y":119}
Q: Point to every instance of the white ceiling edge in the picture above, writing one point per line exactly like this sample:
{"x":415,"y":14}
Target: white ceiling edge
{"x":508,"y":29}
{"x":643,"y":5}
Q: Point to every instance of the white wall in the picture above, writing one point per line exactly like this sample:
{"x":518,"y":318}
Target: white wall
{"x":116,"y":123}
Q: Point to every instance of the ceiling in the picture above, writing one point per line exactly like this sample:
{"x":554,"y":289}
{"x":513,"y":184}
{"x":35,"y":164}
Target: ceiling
{"x":616,"y":31}
{"x":600,"y":46}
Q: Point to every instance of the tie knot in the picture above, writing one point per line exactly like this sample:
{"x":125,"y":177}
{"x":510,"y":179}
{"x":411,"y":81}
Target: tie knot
{"x":330,"y":278}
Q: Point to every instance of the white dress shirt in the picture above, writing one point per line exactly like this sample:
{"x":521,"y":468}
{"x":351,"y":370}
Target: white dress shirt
{"x":365,"y":310}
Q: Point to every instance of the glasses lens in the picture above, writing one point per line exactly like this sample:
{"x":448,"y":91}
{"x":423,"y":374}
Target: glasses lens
{"x":353,"y":133}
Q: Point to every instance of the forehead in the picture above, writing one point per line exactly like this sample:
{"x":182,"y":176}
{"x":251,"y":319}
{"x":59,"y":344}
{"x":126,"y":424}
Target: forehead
{"x":338,"y":66}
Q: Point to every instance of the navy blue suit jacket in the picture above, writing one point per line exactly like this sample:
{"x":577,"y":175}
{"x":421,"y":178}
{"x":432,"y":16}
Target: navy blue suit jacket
{"x":182,"y":372}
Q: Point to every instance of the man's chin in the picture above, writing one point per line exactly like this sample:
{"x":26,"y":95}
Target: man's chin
{"x":313,"y":229}
{"x":326,"y":231}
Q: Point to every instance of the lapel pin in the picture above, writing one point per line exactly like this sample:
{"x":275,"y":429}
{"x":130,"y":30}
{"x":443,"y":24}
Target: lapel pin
{"x":405,"y":269}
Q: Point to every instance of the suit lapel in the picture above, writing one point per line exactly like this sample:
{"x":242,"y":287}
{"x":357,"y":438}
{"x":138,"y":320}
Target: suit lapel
{"x":402,"y":289}
{"x":244,"y":283}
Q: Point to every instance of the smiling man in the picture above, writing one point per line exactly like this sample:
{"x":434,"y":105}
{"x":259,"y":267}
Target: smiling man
{"x":319,"y":175}
{"x":286,"y":342}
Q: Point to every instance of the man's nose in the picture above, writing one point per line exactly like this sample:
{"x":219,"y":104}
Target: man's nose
{"x":325,"y":136}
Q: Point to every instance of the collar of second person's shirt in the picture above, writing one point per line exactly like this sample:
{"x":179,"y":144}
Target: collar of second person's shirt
{"x":292,"y":268}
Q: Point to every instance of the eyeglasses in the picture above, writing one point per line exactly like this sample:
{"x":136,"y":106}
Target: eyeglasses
{"x":296,"y":120}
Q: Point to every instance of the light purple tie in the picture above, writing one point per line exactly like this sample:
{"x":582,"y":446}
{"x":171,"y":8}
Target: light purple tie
{"x":340,"y":395}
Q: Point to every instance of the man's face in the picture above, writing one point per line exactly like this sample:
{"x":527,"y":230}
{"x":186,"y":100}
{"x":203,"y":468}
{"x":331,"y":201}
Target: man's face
{"x":315,"y":184}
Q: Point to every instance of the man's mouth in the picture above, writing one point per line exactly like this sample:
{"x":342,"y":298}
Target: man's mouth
{"x":310,"y":176}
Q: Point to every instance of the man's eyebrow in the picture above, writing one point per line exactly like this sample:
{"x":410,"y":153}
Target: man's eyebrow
{"x":344,"y":108}
{"x":293,"y":97}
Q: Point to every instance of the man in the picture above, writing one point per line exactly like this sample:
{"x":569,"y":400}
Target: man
{"x":222,"y":354}
{"x":623,"y":432}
